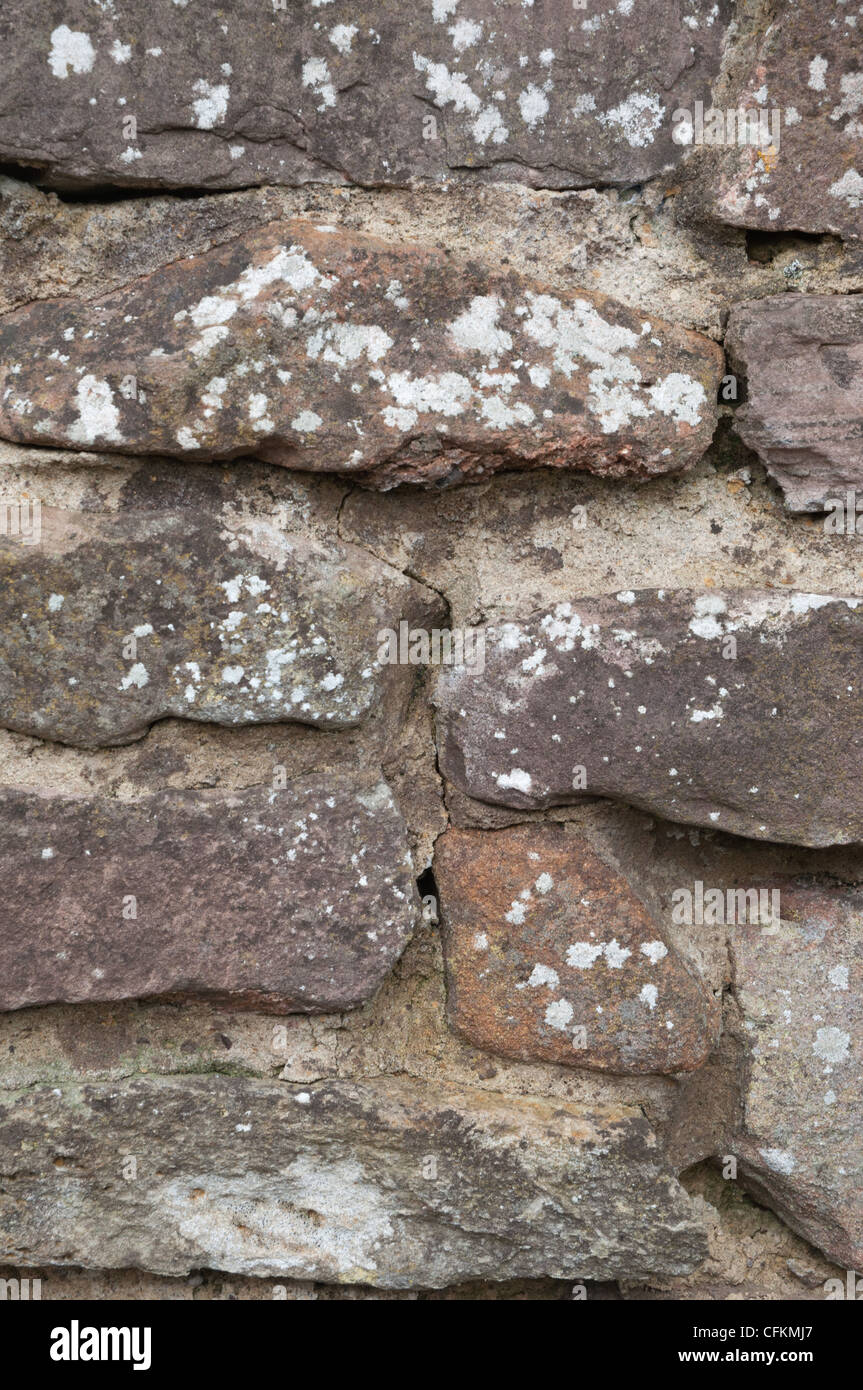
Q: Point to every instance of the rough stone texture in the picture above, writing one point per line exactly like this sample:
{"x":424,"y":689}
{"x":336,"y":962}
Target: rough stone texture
{"x":195,"y":610}
{"x":802,"y":61}
{"x":537,"y":541}
{"x":288,"y":92}
{"x":386,"y":1183}
{"x":298,"y":898}
{"x":404,"y":1029}
{"x":799,"y":989}
{"x":316,"y":350}
{"x":752,"y":1255}
{"x":550,"y":956}
{"x":508,"y":546}
{"x":802,"y":357}
{"x":636,"y":696}
{"x":632,"y":244}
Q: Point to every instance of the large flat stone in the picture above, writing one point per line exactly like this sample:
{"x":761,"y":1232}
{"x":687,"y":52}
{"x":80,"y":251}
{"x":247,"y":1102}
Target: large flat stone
{"x":799,"y":990}
{"x":387,"y":1182}
{"x":736,"y":711}
{"x":550,"y":956}
{"x":295,"y":899}
{"x":285,"y":91}
{"x":324,"y":350}
{"x":802,"y":356}
{"x":118,"y":619}
{"x":805,"y":65}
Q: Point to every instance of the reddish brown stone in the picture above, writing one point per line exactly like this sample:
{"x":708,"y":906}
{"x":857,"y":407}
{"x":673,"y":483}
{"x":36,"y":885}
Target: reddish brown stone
{"x":551,"y":957}
{"x":297,"y":899}
{"x":329,"y":351}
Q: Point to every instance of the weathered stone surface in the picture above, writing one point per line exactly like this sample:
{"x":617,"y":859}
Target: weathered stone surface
{"x":288,"y":92}
{"x":386,"y":1183}
{"x":805,"y":67}
{"x":118,"y":619}
{"x":799,"y":988}
{"x":550,"y":956}
{"x":737,"y":711}
{"x":295,"y":899}
{"x":324,"y":350}
{"x":802,"y":356}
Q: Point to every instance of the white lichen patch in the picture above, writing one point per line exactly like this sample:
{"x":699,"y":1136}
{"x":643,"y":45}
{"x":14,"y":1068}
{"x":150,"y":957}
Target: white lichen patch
{"x":638,"y":119}
{"x":316,"y":75}
{"x":780,"y":1160}
{"x":849,"y":187}
{"x":210,"y":104}
{"x":832,"y":1044}
{"x":98,"y":417}
{"x":648,"y":995}
{"x":71,"y":52}
{"x":323,"y":1217}
{"x":559,"y":1013}
{"x":654,"y":950}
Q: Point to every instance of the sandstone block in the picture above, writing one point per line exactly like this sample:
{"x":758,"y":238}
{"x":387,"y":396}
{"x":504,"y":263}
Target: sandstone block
{"x":289,"y":92}
{"x":386,"y":1182}
{"x":735,"y":711}
{"x":330,"y":351}
{"x":802,"y":70}
{"x":799,"y":988}
{"x":550,"y":956}
{"x":116,"y":620}
{"x":293,"y":899}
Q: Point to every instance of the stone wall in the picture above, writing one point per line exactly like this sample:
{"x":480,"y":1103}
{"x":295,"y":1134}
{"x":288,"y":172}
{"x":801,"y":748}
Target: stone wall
{"x":432,"y":730}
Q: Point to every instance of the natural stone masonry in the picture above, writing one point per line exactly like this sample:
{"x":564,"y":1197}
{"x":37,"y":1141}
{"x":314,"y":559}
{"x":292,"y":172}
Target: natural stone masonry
{"x":551,"y":957}
{"x":799,"y":988}
{"x":118,"y":619}
{"x":266,"y":93}
{"x":802,"y":356}
{"x":737,"y":711}
{"x":295,"y":899}
{"x":300,"y":979}
{"x":805,"y":69}
{"x":386,"y":1182}
{"x":319,"y":349}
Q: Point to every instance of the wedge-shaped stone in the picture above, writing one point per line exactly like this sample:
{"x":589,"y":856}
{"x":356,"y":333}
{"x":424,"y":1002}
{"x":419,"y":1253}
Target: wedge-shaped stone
{"x":787,"y":152}
{"x":330,"y":351}
{"x":120,"y":619}
{"x":388,"y":1182}
{"x":800,"y":988}
{"x":297,"y":899}
{"x":285,"y":91}
{"x":737,"y":711}
{"x":802,"y":356}
{"x":551,"y":957}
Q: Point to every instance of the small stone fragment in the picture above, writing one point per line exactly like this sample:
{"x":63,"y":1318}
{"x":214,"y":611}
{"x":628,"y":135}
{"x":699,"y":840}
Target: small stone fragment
{"x":802,"y":357}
